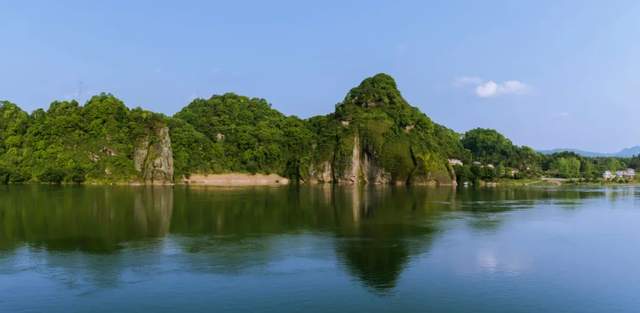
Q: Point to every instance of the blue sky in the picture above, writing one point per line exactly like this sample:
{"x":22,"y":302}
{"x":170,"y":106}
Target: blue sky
{"x":545,"y":73}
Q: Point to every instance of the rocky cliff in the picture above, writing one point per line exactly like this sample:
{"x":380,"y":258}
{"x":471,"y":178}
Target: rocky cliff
{"x":373,"y":137}
{"x":153,"y":157}
{"x":376,"y":137}
{"x":362,"y":169}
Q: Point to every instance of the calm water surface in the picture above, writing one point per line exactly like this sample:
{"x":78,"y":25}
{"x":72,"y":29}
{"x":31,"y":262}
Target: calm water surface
{"x":319,"y":249}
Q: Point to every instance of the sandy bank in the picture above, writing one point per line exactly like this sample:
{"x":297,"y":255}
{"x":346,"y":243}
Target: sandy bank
{"x":236,"y":179}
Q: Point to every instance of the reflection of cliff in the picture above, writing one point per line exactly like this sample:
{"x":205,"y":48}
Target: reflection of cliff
{"x":152,"y":211}
{"x":87,"y":218}
{"x":373,"y":231}
{"x":385,"y":228}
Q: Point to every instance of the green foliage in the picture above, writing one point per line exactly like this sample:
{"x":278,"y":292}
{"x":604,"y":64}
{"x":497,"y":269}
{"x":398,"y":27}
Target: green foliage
{"x":613,"y":164}
{"x":490,"y":147}
{"x":379,"y":90}
{"x":464,"y":174}
{"x":395,"y":136}
{"x":572,"y":165}
{"x":243,"y":134}
{"x":13,"y":126}
{"x":487,"y":145}
{"x":72,"y":143}
{"x":566,"y":167}
{"x":52,"y":175}
{"x":397,"y":160}
{"x":98,"y":142}
{"x":588,"y":170}
{"x":5,"y":176}
{"x":193,"y":152}
{"x":77,"y":175}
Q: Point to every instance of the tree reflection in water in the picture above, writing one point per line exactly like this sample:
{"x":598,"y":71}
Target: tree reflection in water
{"x":374,"y":231}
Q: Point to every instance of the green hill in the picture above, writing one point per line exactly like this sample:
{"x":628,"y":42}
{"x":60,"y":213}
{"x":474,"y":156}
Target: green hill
{"x":373,"y":137}
{"x":102,"y":141}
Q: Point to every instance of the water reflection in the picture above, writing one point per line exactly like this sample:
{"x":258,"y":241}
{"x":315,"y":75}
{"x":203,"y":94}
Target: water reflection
{"x":374,"y":232}
{"x":88,"y":219}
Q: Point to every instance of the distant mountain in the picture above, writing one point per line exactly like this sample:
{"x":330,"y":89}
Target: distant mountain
{"x":577,"y":151}
{"x":629,"y":152}
{"x":624,"y":153}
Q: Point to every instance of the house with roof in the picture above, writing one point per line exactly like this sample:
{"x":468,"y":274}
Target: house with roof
{"x":627,"y":174}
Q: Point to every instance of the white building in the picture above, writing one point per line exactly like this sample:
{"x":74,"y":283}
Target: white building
{"x":625,"y":174}
{"x":629,"y":173}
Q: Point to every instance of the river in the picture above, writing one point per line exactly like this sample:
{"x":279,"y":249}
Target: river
{"x":319,"y":249}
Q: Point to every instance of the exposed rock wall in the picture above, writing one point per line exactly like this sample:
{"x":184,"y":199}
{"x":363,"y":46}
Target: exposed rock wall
{"x":364,"y":168}
{"x":374,"y":174}
{"x":353,"y":173}
{"x":321,"y":174}
{"x":153,"y":157}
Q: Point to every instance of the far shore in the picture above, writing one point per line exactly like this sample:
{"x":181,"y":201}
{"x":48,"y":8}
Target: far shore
{"x":235,"y":179}
{"x":274,"y":180}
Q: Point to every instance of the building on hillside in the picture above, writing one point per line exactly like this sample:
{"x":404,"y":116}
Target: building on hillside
{"x":607,"y":175}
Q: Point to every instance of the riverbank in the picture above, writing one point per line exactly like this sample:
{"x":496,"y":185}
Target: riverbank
{"x":553,"y":182}
{"x":235,"y":179}
{"x":249,"y":180}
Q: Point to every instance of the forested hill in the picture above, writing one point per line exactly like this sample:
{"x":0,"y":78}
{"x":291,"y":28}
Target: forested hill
{"x":374,"y":136}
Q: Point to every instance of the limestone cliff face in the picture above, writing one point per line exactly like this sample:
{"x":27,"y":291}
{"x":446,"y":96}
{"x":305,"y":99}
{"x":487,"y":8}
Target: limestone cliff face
{"x":363,"y":168}
{"x":376,"y":137}
{"x":374,"y":174}
{"x":322,"y":173}
{"x":353,"y":173}
{"x":153,"y":157}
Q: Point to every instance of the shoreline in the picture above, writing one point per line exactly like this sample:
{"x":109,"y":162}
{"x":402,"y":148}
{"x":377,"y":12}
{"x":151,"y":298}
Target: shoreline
{"x":272,"y":180}
{"x":236,"y":179}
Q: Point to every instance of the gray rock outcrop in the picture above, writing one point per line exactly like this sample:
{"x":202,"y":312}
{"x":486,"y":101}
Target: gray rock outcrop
{"x":153,"y":157}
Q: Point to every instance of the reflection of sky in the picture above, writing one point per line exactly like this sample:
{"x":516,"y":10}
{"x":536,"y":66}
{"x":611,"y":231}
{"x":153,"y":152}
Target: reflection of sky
{"x":542,"y":257}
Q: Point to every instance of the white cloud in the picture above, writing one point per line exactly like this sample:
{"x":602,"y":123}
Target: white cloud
{"x":490,"y":88}
{"x":487,"y":89}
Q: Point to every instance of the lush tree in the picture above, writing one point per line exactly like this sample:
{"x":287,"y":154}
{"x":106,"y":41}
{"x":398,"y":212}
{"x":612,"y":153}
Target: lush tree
{"x":101,"y":141}
{"x":242,"y":134}
{"x":73,"y":143}
{"x":567,"y":167}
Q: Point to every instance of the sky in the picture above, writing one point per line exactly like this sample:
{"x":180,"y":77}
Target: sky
{"x":547,"y":74}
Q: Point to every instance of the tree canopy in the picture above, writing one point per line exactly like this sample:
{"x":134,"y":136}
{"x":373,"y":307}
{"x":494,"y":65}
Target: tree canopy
{"x":374,"y":134}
